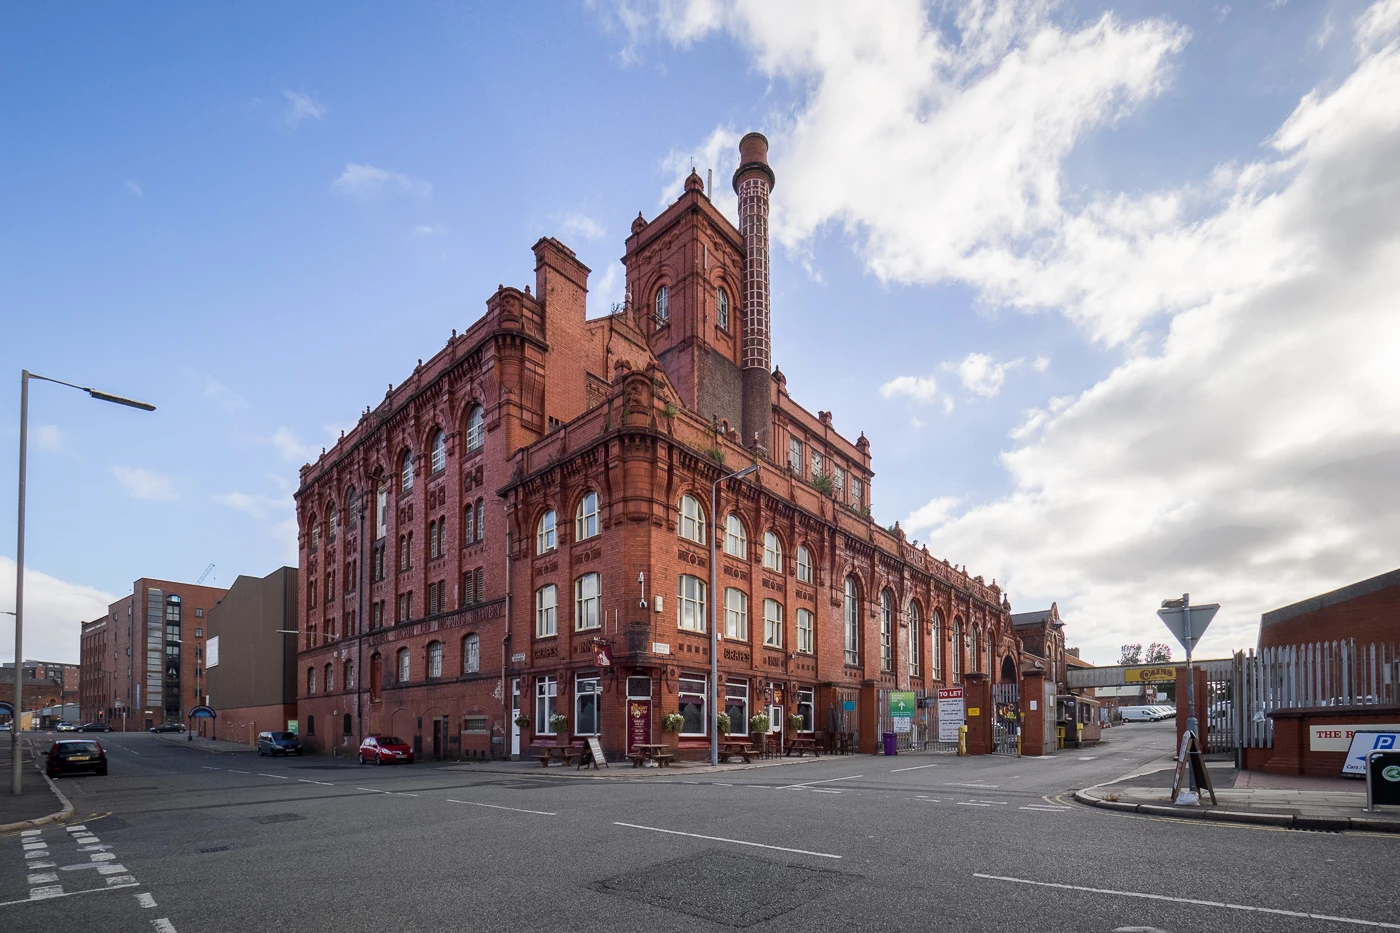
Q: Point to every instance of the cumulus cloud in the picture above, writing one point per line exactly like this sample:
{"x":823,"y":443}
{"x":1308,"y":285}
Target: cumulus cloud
{"x":919,"y":388}
{"x":1247,"y":456}
{"x":981,"y":375}
{"x":718,"y":152}
{"x":931,"y":515}
{"x":301,"y":107}
{"x":579,"y":226}
{"x":145,"y":485}
{"x":53,"y":609}
{"x":365,"y":181}
{"x":291,"y":447}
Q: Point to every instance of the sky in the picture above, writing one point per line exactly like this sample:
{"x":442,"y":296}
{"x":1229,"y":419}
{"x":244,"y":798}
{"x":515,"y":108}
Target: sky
{"x":1111,"y":288}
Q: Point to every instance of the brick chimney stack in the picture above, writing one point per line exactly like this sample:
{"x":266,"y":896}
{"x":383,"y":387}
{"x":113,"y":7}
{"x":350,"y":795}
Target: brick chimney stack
{"x":752,"y":182}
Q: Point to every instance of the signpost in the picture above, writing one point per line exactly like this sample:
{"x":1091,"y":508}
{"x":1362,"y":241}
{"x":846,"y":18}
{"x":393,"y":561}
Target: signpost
{"x":950,"y":713}
{"x":1382,"y":779}
{"x":1188,"y":623}
{"x":1363,"y":744}
{"x":902,"y":705}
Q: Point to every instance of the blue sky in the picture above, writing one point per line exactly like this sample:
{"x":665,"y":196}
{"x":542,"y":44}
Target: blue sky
{"x":1035,"y":251}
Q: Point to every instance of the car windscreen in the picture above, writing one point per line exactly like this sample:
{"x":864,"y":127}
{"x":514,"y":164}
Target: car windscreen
{"x":285,"y":736}
{"x":77,"y":748}
{"x":391,"y":740}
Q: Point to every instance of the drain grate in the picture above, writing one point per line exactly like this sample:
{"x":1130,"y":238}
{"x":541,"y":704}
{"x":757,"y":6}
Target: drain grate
{"x":725,"y":887}
{"x":279,"y":818}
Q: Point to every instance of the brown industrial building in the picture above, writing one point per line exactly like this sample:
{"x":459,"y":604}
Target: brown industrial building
{"x":1366,"y":612}
{"x":251,"y":651}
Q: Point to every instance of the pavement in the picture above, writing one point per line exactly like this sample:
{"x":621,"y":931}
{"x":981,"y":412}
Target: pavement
{"x":178,"y":840}
{"x":38,"y":802}
{"x":1295,"y":801}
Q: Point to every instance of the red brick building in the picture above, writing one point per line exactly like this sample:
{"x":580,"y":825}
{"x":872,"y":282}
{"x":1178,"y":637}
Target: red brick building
{"x":540,"y":489}
{"x":139,"y":669}
{"x":1368,"y":612}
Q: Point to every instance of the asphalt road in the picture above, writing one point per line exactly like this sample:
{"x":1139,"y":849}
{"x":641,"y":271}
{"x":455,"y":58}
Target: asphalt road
{"x":180,"y":839}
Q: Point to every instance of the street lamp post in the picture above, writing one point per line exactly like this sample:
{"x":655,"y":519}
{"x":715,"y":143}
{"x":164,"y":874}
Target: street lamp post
{"x":714,"y":600}
{"x":16,"y":771}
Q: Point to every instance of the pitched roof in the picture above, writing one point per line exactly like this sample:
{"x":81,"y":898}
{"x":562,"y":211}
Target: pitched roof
{"x":1312,"y":604}
{"x":1038,"y":617}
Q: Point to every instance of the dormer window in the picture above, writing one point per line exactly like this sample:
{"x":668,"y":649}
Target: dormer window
{"x":663,"y":306}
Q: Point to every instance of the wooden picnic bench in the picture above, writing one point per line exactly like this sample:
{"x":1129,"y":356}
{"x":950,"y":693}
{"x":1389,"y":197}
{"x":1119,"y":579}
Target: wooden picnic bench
{"x":802,"y":747}
{"x":642,"y":753}
{"x":544,"y":753}
{"x":743,"y":750}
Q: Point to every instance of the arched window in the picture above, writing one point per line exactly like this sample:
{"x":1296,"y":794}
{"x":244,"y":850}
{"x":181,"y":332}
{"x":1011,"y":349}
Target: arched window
{"x":310,"y":681}
{"x":772,"y":623}
{"x":974,"y":657}
{"x":588,"y":602}
{"x":736,"y":614}
{"x":804,"y":565}
{"x":772,"y":553}
{"x":722,"y":308}
{"x":957,"y":647}
{"x":481,"y":519}
{"x":347,"y":675}
{"x":315,"y":527}
{"x":915,"y":630}
{"x":330,"y":678}
{"x":433,"y":539}
{"x":434,"y":659}
{"x":333,"y":520}
{"x":692,"y":520}
{"x":851,"y":606}
{"x":468,"y":524}
{"x":471,"y":654}
{"x":545,"y":537}
{"x":886,"y":630}
{"x":736,"y":539}
{"x":404,"y":662}
{"x":586,"y":518}
{"x":310,"y":725}
{"x":936,"y":642}
{"x":476,"y":428}
{"x":406,"y":472}
{"x":376,"y":676}
{"x":439,"y":449}
{"x":546,"y":611}
{"x":345,"y":724}
{"x":663,"y":306}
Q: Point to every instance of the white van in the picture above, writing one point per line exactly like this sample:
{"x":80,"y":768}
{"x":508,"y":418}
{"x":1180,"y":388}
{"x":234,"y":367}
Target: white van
{"x":1137,"y":713}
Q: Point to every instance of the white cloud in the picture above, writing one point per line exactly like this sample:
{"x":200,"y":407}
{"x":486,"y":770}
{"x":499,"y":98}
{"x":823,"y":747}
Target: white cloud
{"x":222,"y":395}
{"x":134,"y":188}
{"x":931,"y":515}
{"x":52,"y":610}
{"x":430,"y":230}
{"x":301,"y":107}
{"x":578,"y":225}
{"x":47,"y":437}
{"x":1040,"y":364}
{"x":290,"y":446}
{"x":365,"y":181}
{"x":720,"y":153}
{"x":145,"y":484}
{"x":607,"y":291}
{"x":982,"y":375}
{"x":919,"y":388}
{"x":1247,"y":457}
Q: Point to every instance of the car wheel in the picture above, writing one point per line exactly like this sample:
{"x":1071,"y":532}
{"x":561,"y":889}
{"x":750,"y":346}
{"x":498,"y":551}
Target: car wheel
{"x":379,"y":759}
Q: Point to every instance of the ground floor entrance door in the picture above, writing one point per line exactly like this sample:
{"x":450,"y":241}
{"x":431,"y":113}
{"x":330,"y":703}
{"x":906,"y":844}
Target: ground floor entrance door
{"x":514,"y":715}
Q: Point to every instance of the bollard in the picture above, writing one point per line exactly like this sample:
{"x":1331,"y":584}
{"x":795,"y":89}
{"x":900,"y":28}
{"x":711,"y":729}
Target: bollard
{"x":962,"y":740}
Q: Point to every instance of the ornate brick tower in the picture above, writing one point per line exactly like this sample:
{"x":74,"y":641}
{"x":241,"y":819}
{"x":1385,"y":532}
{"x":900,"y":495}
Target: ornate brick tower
{"x":752,"y":182}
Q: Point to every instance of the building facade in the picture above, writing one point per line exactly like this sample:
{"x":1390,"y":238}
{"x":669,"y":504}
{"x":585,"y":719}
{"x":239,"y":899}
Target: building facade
{"x":142,"y":663}
{"x":250,"y":655}
{"x":523,"y":530}
{"x":1367,"y":612}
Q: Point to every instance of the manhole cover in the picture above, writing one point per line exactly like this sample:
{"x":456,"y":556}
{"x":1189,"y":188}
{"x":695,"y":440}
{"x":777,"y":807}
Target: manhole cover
{"x":726,"y":887}
{"x":279,"y":818}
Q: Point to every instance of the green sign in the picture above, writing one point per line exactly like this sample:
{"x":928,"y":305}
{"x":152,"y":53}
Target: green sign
{"x":902,"y":703}
{"x":292,"y":726}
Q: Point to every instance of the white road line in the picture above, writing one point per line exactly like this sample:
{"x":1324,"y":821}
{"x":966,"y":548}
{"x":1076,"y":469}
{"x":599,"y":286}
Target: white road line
{"x":977,"y":785}
{"x":1088,"y":757}
{"x":1045,"y":809}
{"x":280,"y":777}
{"x":917,"y":768}
{"x":721,"y":784}
{"x":1192,"y":900}
{"x":371,"y":790}
{"x":42,"y":877}
{"x":737,"y":842}
{"x":824,"y":790}
{"x":473,"y":803}
{"x":930,"y":799}
{"x":163,"y":926}
{"x":35,"y":845}
{"x":46,"y":891}
{"x":390,"y":793}
{"x":40,"y":864}
{"x":145,"y":899}
{"x":305,"y":781}
{"x":102,"y":856}
{"x":31,"y":832}
{"x":27,"y":900}
{"x":112,"y":869}
{"x":209,"y":768}
{"x":232,"y":771}
{"x":827,"y":781}
{"x":77,"y":829}
{"x":123,"y":880}
{"x":964,"y":803}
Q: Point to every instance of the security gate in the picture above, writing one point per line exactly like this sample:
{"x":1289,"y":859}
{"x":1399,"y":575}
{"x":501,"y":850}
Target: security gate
{"x":923,"y":729}
{"x":1006,"y":724}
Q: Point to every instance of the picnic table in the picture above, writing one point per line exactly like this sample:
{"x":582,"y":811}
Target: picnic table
{"x":565,"y":753}
{"x":661,"y":754}
{"x":802,"y":746}
{"x":731,"y":748}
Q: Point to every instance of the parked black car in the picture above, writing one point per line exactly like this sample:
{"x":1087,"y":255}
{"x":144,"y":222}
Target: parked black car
{"x":94,"y":727}
{"x":278,"y":743}
{"x":70,"y":755}
{"x":168,"y":727}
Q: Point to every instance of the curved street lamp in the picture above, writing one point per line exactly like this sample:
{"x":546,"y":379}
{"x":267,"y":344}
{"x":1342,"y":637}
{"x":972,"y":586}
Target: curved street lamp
{"x":16,"y":771}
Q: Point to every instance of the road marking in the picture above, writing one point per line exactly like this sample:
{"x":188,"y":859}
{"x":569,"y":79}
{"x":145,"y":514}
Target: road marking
{"x":209,"y":768}
{"x":1192,"y":900}
{"x":35,"y":845}
{"x":75,"y":829}
{"x":978,"y":784}
{"x":231,"y":771}
{"x":102,"y":856}
{"x":964,"y":803}
{"x":163,"y":926}
{"x":720,"y":784}
{"x":43,"y":877}
{"x":824,"y":790}
{"x":27,"y":900}
{"x":1044,"y":809}
{"x":917,"y":768}
{"x":40,"y":864}
{"x":31,"y":832}
{"x":1000,"y":803}
{"x":737,"y":842}
{"x":305,"y":781}
{"x":371,"y":790}
{"x":145,"y":899}
{"x":113,"y":869}
{"x":45,"y":892}
{"x":1088,"y":757}
{"x":827,"y":781}
{"x":125,"y":881}
{"x":473,"y":803}
{"x":280,"y":777}
{"x":389,"y":792}
{"x":930,"y":799}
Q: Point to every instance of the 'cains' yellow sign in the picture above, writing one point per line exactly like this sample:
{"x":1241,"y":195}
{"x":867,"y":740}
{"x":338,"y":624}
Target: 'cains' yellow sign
{"x":1147,"y":675}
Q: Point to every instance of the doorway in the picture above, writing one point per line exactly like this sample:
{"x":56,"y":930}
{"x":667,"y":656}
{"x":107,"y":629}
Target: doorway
{"x":638,"y":712}
{"x":514,"y":715}
{"x":439,"y":739}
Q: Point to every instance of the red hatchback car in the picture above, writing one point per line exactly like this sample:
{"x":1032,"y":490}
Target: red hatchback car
{"x":385,"y":750}
{"x":70,"y":755}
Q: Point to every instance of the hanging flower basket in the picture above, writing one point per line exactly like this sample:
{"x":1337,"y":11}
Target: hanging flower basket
{"x":723,"y":720}
{"x":560,"y":724}
{"x":759,"y":724}
{"x":522,"y":721}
